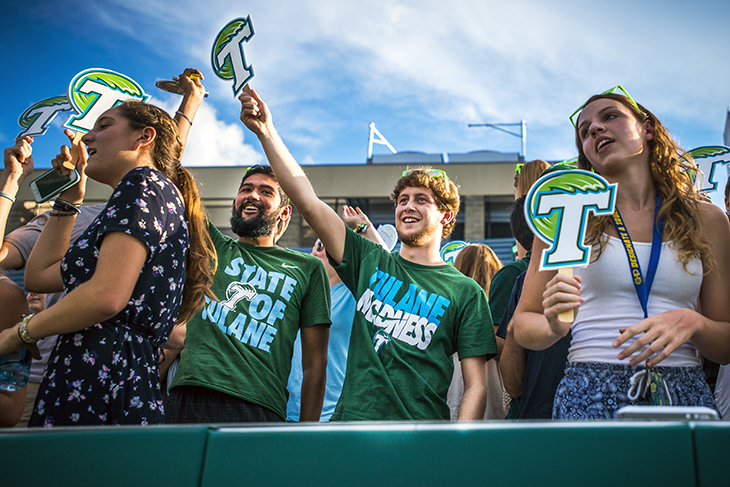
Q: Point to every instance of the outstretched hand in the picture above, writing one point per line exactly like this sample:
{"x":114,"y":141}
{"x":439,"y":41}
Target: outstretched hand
{"x":69,"y":158}
{"x":353,"y":216}
{"x":662,"y":333}
{"x":562,"y":293}
{"x":18,"y":159}
{"x":254,"y":112}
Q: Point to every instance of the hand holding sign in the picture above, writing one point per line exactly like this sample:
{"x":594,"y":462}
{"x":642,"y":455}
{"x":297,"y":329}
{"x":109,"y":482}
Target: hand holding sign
{"x":557,"y":208}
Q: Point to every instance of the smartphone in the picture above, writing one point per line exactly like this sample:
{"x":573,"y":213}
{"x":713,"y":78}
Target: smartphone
{"x":50,"y":183}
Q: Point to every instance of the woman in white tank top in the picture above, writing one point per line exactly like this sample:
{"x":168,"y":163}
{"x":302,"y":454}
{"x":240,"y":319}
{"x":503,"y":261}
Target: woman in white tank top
{"x":618,"y":337}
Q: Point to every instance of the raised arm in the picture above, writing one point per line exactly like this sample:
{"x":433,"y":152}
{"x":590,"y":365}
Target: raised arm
{"x":320,"y":216}
{"x":191,"y":82}
{"x":18,"y":162}
{"x":358,"y":221}
{"x":43,"y":269}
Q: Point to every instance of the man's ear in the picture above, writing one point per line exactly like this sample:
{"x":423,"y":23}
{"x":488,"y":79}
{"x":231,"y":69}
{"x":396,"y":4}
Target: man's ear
{"x":147,"y":135}
{"x":448,"y":216}
{"x":283,"y":223}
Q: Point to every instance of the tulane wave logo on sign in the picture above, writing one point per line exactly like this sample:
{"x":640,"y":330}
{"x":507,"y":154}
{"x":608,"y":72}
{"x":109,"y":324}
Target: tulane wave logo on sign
{"x":228,"y":58}
{"x":96,"y":90}
{"x":451,"y":250}
{"x":714,"y":162}
{"x":556,"y":209}
{"x":36,"y":119}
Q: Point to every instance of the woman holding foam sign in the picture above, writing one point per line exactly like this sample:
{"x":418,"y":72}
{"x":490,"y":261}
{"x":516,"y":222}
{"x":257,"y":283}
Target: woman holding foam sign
{"x":671,"y":309}
{"x":140,"y":265}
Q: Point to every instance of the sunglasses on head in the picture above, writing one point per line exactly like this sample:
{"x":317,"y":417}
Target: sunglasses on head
{"x":574,"y":116}
{"x":435,"y":173}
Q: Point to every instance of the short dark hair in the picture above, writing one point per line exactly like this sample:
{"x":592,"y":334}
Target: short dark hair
{"x":517,"y":223}
{"x":266,"y":170}
{"x":727,"y":189}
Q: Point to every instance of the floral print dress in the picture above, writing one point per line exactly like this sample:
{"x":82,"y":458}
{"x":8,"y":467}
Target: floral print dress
{"x":107,"y":373}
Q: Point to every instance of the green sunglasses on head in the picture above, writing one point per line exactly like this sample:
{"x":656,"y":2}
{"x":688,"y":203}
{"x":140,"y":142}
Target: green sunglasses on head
{"x":435,"y":173}
{"x":574,"y":116}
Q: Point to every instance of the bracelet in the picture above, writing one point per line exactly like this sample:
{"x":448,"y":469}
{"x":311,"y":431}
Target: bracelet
{"x":23,"y":330}
{"x":185,"y":117}
{"x":65,"y":206}
{"x":59,"y":213}
{"x":362,"y":228}
{"x":8,"y":196}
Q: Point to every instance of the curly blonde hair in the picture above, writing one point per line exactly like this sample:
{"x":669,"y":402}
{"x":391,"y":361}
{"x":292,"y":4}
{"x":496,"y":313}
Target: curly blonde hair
{"x":671,"y":170}
{"x":445,"y":192}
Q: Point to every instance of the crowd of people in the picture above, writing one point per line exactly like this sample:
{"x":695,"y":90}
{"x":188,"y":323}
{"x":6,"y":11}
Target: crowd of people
{"x":141,"y":311}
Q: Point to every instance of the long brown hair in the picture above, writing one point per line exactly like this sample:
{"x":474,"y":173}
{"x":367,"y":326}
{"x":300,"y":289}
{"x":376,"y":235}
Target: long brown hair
{"x":202,"y":259}
{"x":529,"y":173}
{"x":671,"y":170}
{"x":479,"y":262}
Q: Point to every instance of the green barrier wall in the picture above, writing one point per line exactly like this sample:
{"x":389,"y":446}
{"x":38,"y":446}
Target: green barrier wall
{"x":401,"y":454}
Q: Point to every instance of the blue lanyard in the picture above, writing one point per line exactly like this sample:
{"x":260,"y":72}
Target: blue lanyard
{"x":643,"y":288}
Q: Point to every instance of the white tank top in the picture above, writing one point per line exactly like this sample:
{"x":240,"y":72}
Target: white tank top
{"x":611,"y":302}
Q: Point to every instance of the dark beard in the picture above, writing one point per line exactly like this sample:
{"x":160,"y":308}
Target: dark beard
{"x":262,"y":225}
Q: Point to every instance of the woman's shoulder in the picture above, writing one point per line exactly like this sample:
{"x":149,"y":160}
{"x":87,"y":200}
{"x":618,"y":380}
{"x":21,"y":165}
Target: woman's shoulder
{"x":712,"y":214}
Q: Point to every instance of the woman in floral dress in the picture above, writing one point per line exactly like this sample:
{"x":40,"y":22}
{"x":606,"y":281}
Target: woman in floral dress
{"x":125,"y":276}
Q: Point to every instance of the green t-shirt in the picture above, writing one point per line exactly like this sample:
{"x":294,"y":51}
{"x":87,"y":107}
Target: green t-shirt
{"x":242,"y":345}
{"x":500,"y":289}
{"x":409,"y":320}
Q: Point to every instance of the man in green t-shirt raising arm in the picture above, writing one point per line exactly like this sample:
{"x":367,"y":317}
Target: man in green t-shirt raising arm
{"x":413,"y":311}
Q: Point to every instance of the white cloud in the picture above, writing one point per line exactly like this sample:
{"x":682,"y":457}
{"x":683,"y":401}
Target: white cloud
{"x":428,"y":65}
{"x":213,"y":142}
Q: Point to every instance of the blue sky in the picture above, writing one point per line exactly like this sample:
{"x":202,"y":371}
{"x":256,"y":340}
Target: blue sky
{"x":421,"y":70}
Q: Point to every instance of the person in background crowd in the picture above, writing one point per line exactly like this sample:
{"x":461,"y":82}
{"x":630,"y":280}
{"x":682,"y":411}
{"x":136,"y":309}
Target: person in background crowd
{"x":413,"y":310}
{"x":722,"y":386}
{"x":36,"y":304}
{"x":343,"y":309}
{"x":14,"y":307}
{"x":526,"y":174}
{"x":634,"y":342}
{"x":479,"y":262}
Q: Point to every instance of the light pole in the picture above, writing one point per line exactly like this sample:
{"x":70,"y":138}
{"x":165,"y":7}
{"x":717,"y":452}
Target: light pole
{"x":498,"y":126}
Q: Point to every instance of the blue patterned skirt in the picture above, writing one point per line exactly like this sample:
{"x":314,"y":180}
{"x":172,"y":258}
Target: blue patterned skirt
{"x":594,"y":390}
